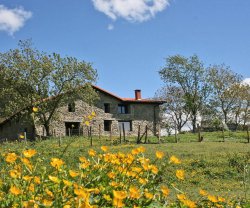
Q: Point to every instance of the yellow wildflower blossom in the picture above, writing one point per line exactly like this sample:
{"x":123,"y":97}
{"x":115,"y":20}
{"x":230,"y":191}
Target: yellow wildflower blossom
{"x":54,"y":179}
{"x":159,"y":154}
{"x":180,"y":174}
{"x":118,"y":198}
{"x":14,"y":190}
{"x":47,"y":202}
{"x":11,"y":157}
{"x":111,"y":175}
{"x":104,"y":148}
{"x":212,"y":198}
{"x":73,"y":174}
{"x":87,"y":123}
{"x":202,"y":192}
{"x":174,"y":160}
{"x":134,"y":192}
{"x":35,"y":109}
{"x":15,"y":174}
{"x":92,"y":152}
{"x":29,"y":153}
{"x":165,"y":191}
{"x":56,"y":163}
{"x":148,"y":195}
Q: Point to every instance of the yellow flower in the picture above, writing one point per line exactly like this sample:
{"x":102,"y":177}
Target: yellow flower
{"x":93,"y":113}
{"x":56,"y":163}
{"x":154,"y":169}
{"x":107,"y":197}
{"x":80,"y":192}
{"x":11,"y":157}
{"x":21,"y":136}
{"x":37,"y":180}
{"x":49,"y":193}
{"x":32,"y":187}
{"x":159,"y":154}
{"x":35,"y":109}
{"x":14,"y":190}
{"x":221,"y":199}
{"x":134,"y":192}
{"x":148,"y":195}
{"x":104,"y":148}
{"x":92,"y":152}
{"x":15,"y":174}
{"x":29,"y":153}
{"x":180,"y":174}
{"x":27,"y":163}
{"x":54,"y":179}
{"x":111,"y":175}
{"x":73,"y":174}
{"x":174,"y":160}
{"x":143,"y":181}
{"x":27,"y":178}
{"x":212,"y":198}
{"x":87,"y":123}
{"x":67,"y":183}
{"x":118,"y":198}
{"x":202,"y":192}
{"x":165,"y":191}
{"x":47,"y":202}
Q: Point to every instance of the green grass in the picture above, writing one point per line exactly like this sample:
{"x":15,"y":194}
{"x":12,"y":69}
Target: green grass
{"x":215,"y":166}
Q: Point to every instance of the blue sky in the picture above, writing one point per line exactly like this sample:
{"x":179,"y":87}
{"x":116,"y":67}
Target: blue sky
{"x":128,"y":40}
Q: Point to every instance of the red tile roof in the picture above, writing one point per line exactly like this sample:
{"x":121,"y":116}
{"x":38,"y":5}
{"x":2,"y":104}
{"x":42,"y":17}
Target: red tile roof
{"x":133,"y":100}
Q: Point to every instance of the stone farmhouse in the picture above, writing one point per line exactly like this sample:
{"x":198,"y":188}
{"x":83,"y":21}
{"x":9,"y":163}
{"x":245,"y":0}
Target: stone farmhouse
{"x":112,"y":115}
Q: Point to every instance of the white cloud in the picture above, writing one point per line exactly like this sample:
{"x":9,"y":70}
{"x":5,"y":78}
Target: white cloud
{"x":110,"y":27}
{"x":246,"y":81}
{"x":11,"y":20}
{"x":131,"y":10}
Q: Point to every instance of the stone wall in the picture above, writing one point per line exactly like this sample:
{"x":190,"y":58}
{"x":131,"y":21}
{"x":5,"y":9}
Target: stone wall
{"x":139,"y":114}
{"x":17,"y":125}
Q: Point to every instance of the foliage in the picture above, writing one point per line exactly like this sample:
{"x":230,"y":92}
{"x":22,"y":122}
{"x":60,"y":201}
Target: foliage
{"x":190,"y":75}
{"x":226,"y":86}
{"x":33,"y":78}
{"x":175,"y":106}
{"x":208,"y":173}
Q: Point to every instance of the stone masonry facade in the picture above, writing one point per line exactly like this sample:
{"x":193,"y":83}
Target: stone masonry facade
{"x":111,"y":112}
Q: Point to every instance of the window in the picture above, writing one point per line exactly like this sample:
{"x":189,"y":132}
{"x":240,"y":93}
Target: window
{"x":106,"y":107}
{"x":71,"y":107}
{"x":127,"y":125}
{"x":123,"y":109}
{"x":107,"y":125}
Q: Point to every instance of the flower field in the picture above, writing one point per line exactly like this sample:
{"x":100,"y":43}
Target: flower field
{"x":43,"y":174}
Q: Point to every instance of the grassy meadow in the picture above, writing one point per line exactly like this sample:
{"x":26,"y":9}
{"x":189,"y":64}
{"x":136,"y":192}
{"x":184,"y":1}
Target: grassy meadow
{"x":219,"y":168}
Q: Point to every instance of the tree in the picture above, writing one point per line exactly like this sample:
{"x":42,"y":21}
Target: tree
{"x":175,"y":106}
{"x":225,"y":85}
{"x":47,"y":81}
{"x":190,"y":75}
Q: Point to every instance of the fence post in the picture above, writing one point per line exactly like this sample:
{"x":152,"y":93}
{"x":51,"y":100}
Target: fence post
{"x":110,"y":135}
{"x":123,"y":131}
{"x":59,"y":141}
{"x":90,"y":133}
{"x":120,"y":131}
{"x":159,"y":133}
{"x":139,"y":134}
{"x":146,"y":134}
{"x":25,"y":136}
{"x":99,"y":131}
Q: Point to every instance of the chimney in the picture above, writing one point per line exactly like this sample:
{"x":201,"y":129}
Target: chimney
{"x":137,"y":94}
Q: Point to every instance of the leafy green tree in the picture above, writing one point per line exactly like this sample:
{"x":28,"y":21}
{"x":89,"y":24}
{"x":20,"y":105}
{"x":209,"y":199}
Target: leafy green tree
{"x":225,"y":84}
{"x":190,"y":75}
{"x":47,"y":81}
{"x":175,"y":107}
